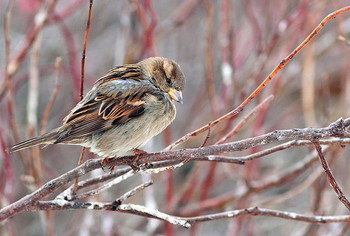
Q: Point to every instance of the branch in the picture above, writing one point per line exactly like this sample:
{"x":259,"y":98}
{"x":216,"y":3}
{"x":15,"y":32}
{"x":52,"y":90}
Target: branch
{"x":13,"y":65}
{"x":255,"y":211}
{"x":256,"y":186}
{"x":26,"y":202}
{"x":134,"y":191}
{"x":102,"y":188}
{"x":161,"y":159}
{"x":330,"y":176}
{"x":110,"y":206}
{"x":336,"y":129}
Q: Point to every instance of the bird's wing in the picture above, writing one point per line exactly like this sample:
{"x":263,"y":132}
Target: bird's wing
{"x":114,"y":103}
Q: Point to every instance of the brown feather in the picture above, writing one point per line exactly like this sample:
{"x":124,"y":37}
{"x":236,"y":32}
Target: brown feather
{"x":103,"y":112}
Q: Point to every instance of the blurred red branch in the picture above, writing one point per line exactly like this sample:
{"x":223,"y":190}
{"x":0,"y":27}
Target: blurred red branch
{"x":148,"y":21}
{"x":30,"y":37}
{"x":72,"y":59}
{"x":52,"y":99}
{"x":81,"y":94}
{"x":179,"y":16}
{"x":284,"y":61}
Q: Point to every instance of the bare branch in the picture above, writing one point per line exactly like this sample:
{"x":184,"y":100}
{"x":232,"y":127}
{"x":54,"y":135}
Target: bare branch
{"x":101,"y":188}
{"x":330,"y":175}
{"x":113,"y":206}
{"x":256,"y":186}
{"x":134,"y":191}
{"x":337,"y":128}
{"x":82,"y":79}
{"x":255,"y":211}
{"x":95,"y":180}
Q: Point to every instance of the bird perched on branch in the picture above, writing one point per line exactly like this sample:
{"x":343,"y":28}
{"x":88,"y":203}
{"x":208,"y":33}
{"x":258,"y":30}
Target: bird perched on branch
{"x":124,"y":109}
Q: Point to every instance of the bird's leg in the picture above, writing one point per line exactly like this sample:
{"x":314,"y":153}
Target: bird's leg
{"x":138,"y":153}
{"x":103,"y":163}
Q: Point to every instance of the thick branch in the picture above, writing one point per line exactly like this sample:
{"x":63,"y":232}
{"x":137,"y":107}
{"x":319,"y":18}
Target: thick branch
{"x":336,"y":129}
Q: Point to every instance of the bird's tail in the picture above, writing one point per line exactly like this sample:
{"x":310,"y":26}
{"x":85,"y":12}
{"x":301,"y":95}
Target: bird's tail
{"x":45,"y":139}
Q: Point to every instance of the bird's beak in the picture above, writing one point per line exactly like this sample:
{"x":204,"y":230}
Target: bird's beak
{"x":175,"y":95}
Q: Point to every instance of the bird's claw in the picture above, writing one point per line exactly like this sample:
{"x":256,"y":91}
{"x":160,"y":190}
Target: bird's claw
{"x":103,"y":165}
{"x":138,"y":152}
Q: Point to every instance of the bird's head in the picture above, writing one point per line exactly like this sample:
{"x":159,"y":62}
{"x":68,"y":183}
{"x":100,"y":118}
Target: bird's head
{"x":166,"y":75}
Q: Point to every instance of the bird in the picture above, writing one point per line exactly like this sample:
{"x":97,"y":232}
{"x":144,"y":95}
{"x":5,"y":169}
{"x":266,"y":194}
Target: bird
{"x":124,"y":109}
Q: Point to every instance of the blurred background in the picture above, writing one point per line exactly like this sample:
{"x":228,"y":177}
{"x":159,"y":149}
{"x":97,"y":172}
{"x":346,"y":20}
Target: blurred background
{"x":225,"y":49}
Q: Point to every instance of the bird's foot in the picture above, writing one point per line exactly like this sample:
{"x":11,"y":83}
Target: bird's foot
{"x":138,"y":153}
{"x":104,"y":167}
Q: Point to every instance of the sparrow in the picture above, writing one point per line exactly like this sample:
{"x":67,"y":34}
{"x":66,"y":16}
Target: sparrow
{"x":124,"y":109}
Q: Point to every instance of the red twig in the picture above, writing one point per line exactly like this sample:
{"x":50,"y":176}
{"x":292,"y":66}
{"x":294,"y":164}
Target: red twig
{"x":73,"y":60}
{"x":86,"y":36}
{"x":31,"y":36}
{"x":208,"y":59}
{"x":87,"y":30}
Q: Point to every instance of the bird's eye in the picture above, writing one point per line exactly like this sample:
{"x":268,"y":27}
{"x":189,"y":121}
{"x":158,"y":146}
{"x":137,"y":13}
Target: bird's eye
{"x":168,"y":80}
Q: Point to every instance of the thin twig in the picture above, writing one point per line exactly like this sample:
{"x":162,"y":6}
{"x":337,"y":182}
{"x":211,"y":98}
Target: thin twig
{"x":91,"y":181}
{"x":294,"y":143}
{"x":134,"y":191}
{"x":102,"y":188}
{"x":86,"y":36}
{"x":80,"y":161}
{"x":206,"y":138}
{"x":255,"y":187}
{"x":110,"y":206}
{"x":300,"y":188}
{"x":330,"y":175}
{"x":255,"y":211}
{"x":245,"y":119}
